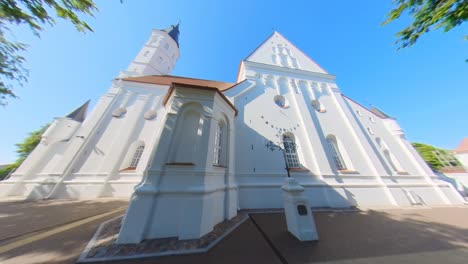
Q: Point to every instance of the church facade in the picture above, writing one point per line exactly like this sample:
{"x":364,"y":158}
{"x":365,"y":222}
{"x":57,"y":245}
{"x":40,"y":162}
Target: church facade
{"x":192,"y":152}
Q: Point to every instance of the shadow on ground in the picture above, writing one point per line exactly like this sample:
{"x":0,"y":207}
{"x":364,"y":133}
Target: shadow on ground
{"x":21,"y":220}
{"x":365,"y":234}
{"x":343,"y":236}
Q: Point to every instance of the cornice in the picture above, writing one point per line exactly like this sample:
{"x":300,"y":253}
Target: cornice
{"x":288,"y":71}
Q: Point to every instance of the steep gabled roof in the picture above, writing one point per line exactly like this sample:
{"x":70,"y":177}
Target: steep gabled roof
{"x":270,"y":48}
{"x":379,"y":113}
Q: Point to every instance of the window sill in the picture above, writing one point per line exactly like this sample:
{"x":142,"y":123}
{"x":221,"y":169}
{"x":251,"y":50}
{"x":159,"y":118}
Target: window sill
{"x":402,"y":173}
{"x":129,"y":169}
{"x":297,"y":169}
{"x":348,"y":172}
{"x":180,"y":163}
{"x":219,"y":166}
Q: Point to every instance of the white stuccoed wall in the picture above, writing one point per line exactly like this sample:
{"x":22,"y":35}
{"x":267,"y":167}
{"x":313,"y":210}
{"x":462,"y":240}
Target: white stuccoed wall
{"x":183,"y":194}
{"x":463,"y":158}
{"x":84,"y":160}
{"x":370,"y":179}
{"x":157,"y":57}
{"x":88,"y":165}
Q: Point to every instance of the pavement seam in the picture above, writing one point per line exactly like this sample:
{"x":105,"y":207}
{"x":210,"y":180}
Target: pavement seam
{"x":44,"y":229}
{"x":54,"y":231}
{"x":268,"y":240}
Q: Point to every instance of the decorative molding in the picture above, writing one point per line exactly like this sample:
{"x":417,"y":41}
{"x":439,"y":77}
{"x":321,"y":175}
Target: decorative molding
{"x":288,"y":70}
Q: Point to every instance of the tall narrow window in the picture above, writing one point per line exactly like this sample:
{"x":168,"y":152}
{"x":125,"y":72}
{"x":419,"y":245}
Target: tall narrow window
{"x":218,"y":149}
{"x":137,"y":156}
{"x":335,"y":152}
{"x":290,"y":151}
{"x":388,"y":156}
{"x":392,"y":160}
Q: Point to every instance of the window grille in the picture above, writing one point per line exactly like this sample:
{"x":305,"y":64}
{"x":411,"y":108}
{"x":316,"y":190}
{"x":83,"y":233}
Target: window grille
{"x":290,"y":151}
{"x":137,"y":156}
{"x":335,"y":151}
{"x":218,"y":149}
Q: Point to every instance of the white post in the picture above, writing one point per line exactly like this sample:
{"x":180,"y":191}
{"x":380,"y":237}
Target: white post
{"x":299,"y":218}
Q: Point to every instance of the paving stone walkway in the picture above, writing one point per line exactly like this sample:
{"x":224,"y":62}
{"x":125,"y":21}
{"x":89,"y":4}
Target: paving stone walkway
{"x":53,"y":231}
{"x":425,"y":235}
{"x":436,"y":235}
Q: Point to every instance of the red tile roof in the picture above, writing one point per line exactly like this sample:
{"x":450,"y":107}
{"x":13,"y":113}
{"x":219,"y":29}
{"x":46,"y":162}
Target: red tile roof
{"x":169,"y":79}
{"x":172,"y":81}
{"x":463,"y":146}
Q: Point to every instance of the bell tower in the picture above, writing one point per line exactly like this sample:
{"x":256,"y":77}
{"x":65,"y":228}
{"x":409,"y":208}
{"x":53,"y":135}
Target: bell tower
{"x":158,"y":56}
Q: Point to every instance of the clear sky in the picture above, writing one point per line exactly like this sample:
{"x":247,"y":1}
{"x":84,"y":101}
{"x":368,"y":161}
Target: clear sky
{"x":425,"y":87}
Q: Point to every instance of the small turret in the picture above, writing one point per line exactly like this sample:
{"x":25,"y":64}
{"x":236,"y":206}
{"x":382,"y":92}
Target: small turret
{"x":80,"y":113}
{"x":63,"y":128}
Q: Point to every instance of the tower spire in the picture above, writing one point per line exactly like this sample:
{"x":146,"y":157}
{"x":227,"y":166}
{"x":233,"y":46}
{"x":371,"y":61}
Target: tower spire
{"x":159,"y":54}
{"x":173,"y":32}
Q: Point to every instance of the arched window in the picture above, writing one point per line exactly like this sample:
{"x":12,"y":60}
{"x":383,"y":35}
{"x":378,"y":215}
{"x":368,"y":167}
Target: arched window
{"x":133,"y":156}
{"x":137,"y":156}
{"x":188,"y":132}
{"x":219,"y":148}
{"x":290,"y":151}
{"x":392,"y":160}
{"x":335,"y":152}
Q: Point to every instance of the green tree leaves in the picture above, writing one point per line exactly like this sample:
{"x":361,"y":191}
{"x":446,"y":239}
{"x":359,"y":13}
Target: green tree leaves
{"x":427,"y":152}
{"x":35,"y":14}
{"x":427,"y":15}
{"x":24,"y":149}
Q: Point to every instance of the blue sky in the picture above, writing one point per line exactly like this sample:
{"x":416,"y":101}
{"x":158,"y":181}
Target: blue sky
{"x":424,"y":87}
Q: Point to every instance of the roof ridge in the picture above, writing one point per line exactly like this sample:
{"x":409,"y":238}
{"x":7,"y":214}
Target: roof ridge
{"x":177,"y":76}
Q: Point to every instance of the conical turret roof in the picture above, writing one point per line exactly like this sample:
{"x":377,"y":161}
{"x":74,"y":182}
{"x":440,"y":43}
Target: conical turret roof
{"x":173,"y":32}
{"x":79,"y":114}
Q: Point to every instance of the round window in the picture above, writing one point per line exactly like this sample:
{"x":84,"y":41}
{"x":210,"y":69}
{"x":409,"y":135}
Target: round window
{"x":318,"y":106}
{"x":281,"y":101}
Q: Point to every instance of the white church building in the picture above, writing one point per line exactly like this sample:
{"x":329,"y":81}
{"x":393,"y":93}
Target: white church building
{"x":190,"y":153}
